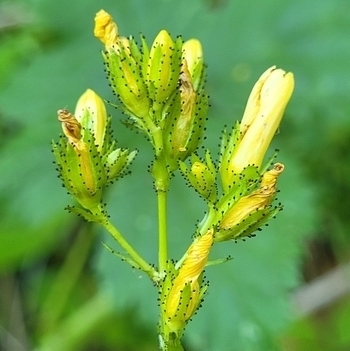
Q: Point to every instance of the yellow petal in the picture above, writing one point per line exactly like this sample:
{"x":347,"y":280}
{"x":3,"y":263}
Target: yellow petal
{"x":91,"y":112}
{"x":192,"y":267}
{"x":262,"y":117}
{"x":192,"y":52}
{"x":106,"y":29}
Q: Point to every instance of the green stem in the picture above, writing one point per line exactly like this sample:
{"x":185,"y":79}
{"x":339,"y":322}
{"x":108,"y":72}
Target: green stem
{"x":146,"y":267}
{"x":162,"y":230}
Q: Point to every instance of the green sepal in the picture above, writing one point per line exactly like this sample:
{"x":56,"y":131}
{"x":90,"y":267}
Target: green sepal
{"x":228,"y":144}
{"x":198,"y":75}
{"x":218,"y":261}
{"x":144,"y":57}
{"x":86,"y":214}
{"x":71,"y":173}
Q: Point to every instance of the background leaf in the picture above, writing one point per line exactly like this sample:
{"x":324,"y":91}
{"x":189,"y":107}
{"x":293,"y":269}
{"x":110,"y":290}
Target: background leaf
{"x":46,"y":62}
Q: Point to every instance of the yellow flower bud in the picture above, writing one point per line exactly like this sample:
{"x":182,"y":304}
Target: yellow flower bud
{"x":262,"y":116}
{"x":246,"y":206}
{"x":106,"y":29}
{"x":185,"y":294}
{"x":91,"y":113}
{"x":192,"y":55}
{"x":82,"y":176}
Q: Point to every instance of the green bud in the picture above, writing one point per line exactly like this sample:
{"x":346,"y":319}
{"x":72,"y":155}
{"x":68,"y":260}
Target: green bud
{"x":117,"y":162}
{"x":201,"y":176}
{"x":164,"y":67}
{"x":127,"y":82}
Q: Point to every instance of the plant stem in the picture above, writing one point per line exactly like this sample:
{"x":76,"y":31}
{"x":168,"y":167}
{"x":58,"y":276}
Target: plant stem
{"x":146,"y":267}
{"x":162,"y":229}
{"x":171,"y":344}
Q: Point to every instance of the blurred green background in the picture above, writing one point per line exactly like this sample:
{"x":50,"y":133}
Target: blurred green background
{"x":61,"y":290}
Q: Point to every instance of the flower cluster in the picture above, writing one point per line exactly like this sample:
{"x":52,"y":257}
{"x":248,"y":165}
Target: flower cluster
{"x":86,"y":157}
{"x":161,"y":88}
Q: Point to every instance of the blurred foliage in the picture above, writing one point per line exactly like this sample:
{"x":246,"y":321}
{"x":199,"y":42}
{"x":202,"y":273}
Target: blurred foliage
{"x":59,"y":283}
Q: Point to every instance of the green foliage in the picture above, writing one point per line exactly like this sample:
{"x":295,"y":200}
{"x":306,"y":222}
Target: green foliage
{"x":247,"y":303}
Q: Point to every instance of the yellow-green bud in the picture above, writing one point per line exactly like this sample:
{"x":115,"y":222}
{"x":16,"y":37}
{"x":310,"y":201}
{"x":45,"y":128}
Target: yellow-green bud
{"x":117,"y":161}
{"x":163,"y":67}
{"x":201,"y":176}
{"x":251,"y":211}
{"x":185,"y":120}
{"x":122,"y":60}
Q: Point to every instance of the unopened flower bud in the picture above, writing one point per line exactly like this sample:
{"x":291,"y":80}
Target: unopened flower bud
{"x":163,"y":67}
{"x":262,"y":116}
{"x":250,"y":211}
{"x":78,"y":171}
{"x":192,"y":54}
{"x":91,"y":113}
{"x":201,"y":176}
{"x":186,"y":293}
{"x":188,"y":120}
{"x":117,"y":162}
{"x":123,"y":63}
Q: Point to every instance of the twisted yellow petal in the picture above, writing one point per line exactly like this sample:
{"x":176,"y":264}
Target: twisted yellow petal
{"x":192,"y":267}
{"x":106,"y":29}
{"x":255,"y":201}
